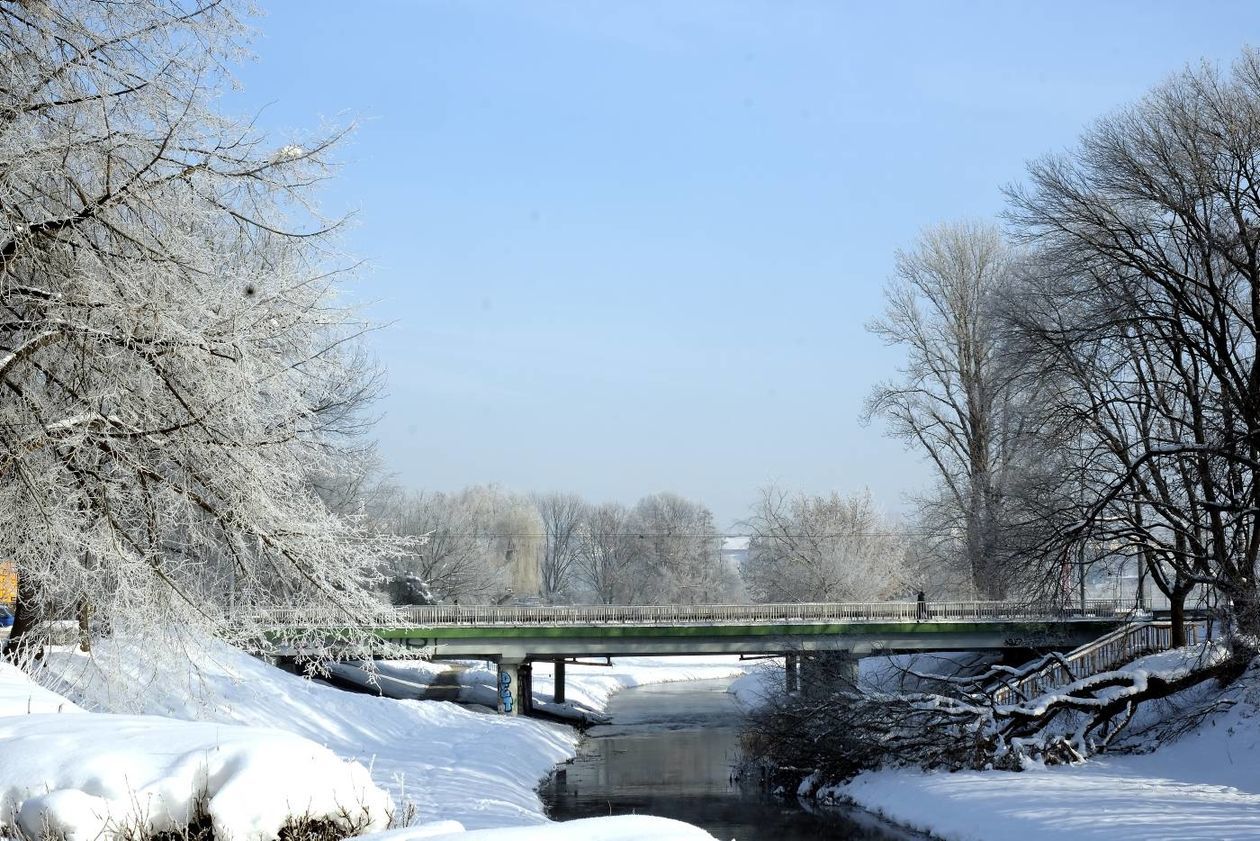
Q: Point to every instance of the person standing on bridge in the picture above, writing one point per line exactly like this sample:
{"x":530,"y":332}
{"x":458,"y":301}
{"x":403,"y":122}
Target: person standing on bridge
{"x":923,"y":611}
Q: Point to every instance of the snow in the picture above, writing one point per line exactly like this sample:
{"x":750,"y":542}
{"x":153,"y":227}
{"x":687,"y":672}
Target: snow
{"x":593,"y":685}
{"x":19,"y":695}
{"x":754,"y":689}
{"x":898,"y":671}
{"x":459,"y":768}
{"x":765,"y":680}
{"x":1205,"y":785}
{"x":82,"y":775}
{"x":262,"y":744}
{"x":450,"y":762}
{"x":1118,"y":799}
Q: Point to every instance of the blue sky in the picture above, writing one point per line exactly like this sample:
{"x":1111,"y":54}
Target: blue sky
{"x":625,"y":247}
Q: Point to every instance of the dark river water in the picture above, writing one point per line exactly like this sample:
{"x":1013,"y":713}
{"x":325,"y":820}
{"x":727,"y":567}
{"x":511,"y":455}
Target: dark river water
{"x":671,"y":750}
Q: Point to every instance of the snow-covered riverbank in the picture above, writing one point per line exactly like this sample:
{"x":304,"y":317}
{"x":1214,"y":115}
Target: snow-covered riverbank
{"x":463,"y":768}
{"x":79,"y":775}
{"x":1204,"y":785}
{"x":450,"y":762}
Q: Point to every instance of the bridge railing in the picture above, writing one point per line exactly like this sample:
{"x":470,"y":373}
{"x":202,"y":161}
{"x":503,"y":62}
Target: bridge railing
{"x":649,"y":615}
{"x":1113,"y":649}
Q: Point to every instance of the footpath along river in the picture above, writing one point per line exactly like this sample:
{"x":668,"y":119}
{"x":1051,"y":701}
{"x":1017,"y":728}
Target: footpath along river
{"x":671,"y":750}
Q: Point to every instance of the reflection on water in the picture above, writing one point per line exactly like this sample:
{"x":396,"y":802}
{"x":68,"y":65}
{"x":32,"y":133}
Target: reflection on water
{"x":671,"y":750}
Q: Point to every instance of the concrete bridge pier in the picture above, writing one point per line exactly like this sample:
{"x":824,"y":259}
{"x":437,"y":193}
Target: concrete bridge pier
{"x":791,"y":674}
{"x":827,"y":671}
{"x":516,"y":686}
{"x":558,"y":667}
{"x":509,"y":686}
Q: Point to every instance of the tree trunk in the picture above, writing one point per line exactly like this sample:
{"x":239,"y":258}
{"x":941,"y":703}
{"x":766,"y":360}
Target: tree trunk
{"x":85,"y":623}
{"x":1177,"y":610}
{"x":1141,"y":586}
{"x":24,"y":619}
{"x":1246,"y":615}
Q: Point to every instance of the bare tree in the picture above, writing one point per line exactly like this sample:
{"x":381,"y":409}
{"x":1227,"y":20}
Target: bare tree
{"x":1112,"y":403}
{"x":957,"y":399}
{"x":171,"y":353}
{"x":608,"y":561}
{"x":562,"y":517}
{"x":816,"y":549}
{"x":1147,"y":303}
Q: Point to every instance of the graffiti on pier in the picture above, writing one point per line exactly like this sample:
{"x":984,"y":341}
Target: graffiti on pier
{"x":505,"y":692}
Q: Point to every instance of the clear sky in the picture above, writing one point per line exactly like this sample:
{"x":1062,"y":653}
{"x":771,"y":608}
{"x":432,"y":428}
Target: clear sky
{"x":626,"y":247}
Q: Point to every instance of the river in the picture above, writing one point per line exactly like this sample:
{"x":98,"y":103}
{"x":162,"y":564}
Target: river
{"x":671,"y":750}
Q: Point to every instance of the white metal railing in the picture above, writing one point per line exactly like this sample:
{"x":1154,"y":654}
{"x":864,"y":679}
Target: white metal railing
{"x":1123,"y":645}
{"x":653,"y":615}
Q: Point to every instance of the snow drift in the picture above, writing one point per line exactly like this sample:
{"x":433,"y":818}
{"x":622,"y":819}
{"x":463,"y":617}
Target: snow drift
{"x":86,"y":776}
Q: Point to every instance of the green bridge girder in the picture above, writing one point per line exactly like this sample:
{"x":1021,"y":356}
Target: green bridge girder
{"x":518,"y":643}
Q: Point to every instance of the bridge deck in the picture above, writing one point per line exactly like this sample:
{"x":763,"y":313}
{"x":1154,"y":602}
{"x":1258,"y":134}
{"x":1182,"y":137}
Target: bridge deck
{"x":573,"y":631}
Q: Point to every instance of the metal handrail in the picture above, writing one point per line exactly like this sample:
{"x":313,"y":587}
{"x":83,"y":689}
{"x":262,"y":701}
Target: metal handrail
{"x":1112,"y":649}
{"x":653,"y":615}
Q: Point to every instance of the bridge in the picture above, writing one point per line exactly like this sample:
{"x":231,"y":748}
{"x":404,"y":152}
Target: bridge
{"x":515,"y":637}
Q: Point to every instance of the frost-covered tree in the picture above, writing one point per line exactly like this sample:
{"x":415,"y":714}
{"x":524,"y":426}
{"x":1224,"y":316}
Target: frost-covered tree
{"x":955,"y":716}
{"x":958,"y":398}
{"x":680,"y":551}
{"x":449,"y":559}
{"x":562,"y":515}
{"x":479,"y":545}
{"x":515,"y":539}
{"x":823,"y":549}
{"x":173,"y":356}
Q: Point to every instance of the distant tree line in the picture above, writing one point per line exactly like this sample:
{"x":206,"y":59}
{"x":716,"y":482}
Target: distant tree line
{"x":484,"y":544}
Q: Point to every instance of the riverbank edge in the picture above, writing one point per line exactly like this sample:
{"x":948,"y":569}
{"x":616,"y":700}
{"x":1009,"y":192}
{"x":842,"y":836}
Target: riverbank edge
{"x":828,"y":794}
